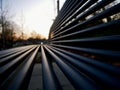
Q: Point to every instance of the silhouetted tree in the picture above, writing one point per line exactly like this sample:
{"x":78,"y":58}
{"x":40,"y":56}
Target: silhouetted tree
{"x":3,"y":23}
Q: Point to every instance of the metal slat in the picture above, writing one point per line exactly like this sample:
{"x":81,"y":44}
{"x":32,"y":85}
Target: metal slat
{"x":60,"y":15}
{"x":98,"y":64}
{"x":106,"y":13}
{"x":73,"y":75}
{"x":91,"y":2}
{"x":3,"y":55}
{"x":110,"y":25}
{"x":93,"y":9}
{"x":76,"y":37}
{"x":96,"y":74}
{"x":50,"y":81}
{"x":72,"y":9}
{"x":108,"y":53}
{"x":13,"y":49}
{"x":20,"y":78}
{"x":9,"y":67}
{"x":13,"y":56}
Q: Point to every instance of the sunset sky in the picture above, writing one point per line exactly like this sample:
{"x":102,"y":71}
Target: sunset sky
{"x":35,"y":15}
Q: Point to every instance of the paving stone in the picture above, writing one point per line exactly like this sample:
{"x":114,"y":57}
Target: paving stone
{"x":36,"y":78}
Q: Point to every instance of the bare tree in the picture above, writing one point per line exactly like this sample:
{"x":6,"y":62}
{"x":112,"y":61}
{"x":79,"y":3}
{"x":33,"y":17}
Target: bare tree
{"x":22,"y":22}
{"x":3,"y":22}
{"x":35,"y":35}
{"x":6,"y":26}
{"x":113,"y":17}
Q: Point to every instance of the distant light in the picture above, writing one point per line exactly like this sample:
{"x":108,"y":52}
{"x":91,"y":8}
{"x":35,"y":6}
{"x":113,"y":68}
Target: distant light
{"x":41,"y":42}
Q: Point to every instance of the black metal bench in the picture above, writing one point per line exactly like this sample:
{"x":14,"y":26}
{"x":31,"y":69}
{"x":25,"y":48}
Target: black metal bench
{"x":84,"y":44}
{"x":16,"y":66}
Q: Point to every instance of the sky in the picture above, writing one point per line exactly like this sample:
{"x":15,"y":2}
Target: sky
{"x":33,"y":15}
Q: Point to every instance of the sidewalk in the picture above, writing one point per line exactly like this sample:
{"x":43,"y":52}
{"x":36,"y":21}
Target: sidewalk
{"x":36,"y":79}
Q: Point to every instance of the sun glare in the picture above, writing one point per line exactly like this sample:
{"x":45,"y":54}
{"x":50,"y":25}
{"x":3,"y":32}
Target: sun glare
{"x":39,"y":18}
{"x":38,"y":15}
